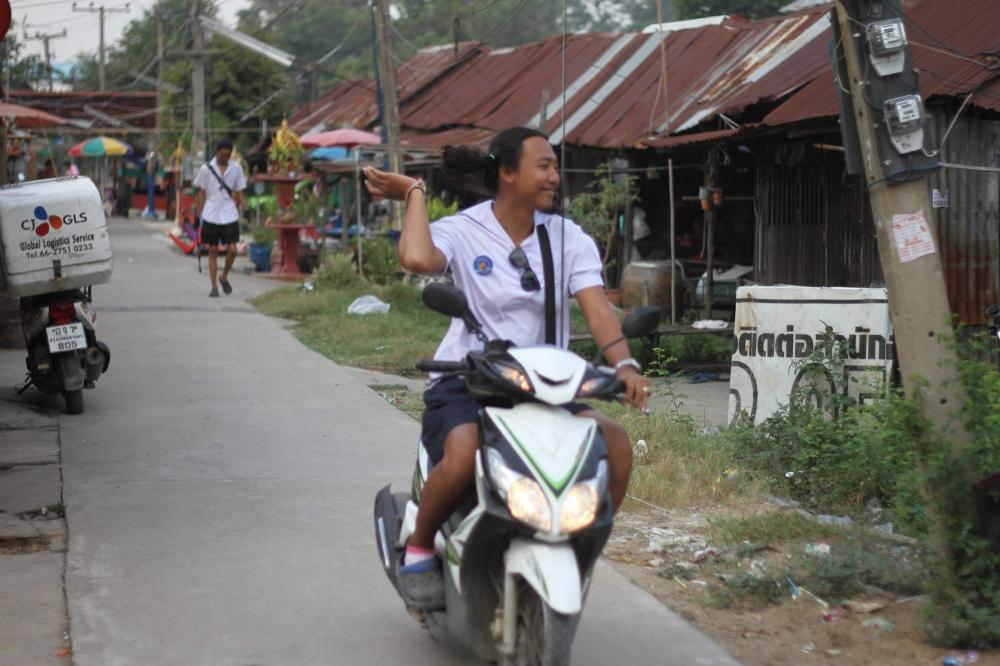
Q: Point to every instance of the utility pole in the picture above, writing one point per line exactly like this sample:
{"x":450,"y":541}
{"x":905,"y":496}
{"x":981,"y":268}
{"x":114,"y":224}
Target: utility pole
{"x":102,"y":12}
{"x":45,"y":38}
{"x":390,"y":96}
{"x":160,"y":67}
{"x":197,"y":83}
{"x":883,"y":122}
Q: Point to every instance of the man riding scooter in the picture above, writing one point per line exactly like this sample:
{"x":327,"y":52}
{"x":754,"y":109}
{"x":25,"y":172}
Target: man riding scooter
{"x":495,"y":251}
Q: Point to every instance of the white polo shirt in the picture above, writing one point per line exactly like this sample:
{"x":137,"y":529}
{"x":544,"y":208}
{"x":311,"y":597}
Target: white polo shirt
{"x":478,"y":251}
{"x":219,"y":206}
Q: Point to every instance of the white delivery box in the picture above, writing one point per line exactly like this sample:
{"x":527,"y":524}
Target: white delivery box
{"x":53,"y":237}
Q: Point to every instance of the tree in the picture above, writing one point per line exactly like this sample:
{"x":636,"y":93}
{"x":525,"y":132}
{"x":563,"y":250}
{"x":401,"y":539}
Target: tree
{"x":750,"y":8}
{"x":311,"y":29}
{"x":137,"y":47}
{"x":594,"y":16}
{"x":237,"y":80}
{"x":20,"y":71}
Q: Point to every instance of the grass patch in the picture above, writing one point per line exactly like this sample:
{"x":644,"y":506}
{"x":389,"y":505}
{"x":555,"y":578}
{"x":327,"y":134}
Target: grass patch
{"x":858,"y":563}
{"x":679,"y":467}
{"x":392,"y":342}
{"x":770,"y":528}
{"x":750,"y":590}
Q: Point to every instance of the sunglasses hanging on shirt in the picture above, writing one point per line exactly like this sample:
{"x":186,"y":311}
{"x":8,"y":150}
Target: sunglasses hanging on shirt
{"x":519,"y":260}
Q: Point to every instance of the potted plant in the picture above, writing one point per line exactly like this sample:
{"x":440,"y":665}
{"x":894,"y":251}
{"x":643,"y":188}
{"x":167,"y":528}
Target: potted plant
{"x":261,"y":241}
{"x":597,"y":211}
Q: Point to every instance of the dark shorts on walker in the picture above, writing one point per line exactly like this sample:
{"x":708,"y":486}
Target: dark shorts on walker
{"x":447,"y":405}
{"x":216,"y":234}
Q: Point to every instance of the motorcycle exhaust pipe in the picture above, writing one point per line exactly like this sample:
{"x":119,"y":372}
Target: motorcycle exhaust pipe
{"x":94,"y":360}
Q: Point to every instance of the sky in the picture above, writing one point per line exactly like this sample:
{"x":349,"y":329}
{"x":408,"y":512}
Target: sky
{"x":51,"y":16}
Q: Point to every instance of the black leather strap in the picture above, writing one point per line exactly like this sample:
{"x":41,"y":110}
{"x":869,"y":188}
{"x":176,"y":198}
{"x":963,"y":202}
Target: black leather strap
{"x":222,"y":183}
{"x":550,"y":285}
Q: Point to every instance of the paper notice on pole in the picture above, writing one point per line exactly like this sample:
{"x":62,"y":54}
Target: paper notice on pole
{"x":913,"y":236}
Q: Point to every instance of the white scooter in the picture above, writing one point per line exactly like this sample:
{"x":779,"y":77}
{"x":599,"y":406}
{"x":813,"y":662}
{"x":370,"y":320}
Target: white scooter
{"x":519,"y":555}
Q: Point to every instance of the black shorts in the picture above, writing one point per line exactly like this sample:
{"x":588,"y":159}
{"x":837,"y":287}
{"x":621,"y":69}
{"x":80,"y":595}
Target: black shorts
{"x":216,"y":234}
{"x":447,"y":405}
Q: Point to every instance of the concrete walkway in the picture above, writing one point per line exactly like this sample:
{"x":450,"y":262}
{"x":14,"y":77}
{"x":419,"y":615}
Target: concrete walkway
{"x":219,"y":491}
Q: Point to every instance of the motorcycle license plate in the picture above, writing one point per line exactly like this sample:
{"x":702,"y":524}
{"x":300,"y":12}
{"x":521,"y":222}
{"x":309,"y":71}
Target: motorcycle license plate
{"x":66,"y":338}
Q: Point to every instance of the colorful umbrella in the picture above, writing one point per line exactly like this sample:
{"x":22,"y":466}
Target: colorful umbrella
{"x":341,"y":137}
{"x":100,"y":146}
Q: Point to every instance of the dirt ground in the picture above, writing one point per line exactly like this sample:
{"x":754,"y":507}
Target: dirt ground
{"x":649,"y":545}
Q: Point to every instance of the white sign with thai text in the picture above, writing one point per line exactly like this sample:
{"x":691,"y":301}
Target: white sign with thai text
{"x":779,"y":330}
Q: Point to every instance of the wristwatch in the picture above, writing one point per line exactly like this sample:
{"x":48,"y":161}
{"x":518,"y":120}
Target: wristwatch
{"x":628,"y":362}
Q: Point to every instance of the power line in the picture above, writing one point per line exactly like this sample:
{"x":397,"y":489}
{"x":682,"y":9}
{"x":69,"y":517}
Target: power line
{"x":15,"y":8}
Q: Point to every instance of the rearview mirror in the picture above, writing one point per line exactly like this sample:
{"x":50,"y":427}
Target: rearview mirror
{"x":641,"y":322}
{"x":446,"y":299}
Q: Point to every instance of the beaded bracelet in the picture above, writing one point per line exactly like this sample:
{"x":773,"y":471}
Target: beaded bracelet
{"x":418,"y":184}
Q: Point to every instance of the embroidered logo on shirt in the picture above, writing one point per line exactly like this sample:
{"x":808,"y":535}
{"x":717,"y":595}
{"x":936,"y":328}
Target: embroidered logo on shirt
{"x":483,"y":265}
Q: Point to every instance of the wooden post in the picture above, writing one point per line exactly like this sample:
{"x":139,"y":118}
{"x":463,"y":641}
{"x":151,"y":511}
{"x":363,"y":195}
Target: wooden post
{"x":390,"y":97}
{"x":711,"y":178}
{"x":673,"y":245}
{"x":345,"y":212}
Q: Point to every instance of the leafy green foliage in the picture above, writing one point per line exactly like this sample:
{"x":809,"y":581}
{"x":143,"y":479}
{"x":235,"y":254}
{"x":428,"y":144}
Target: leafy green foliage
{"x":263,"y":235}
{"x":23,"y":71}
{"x":437,"y":208}
{"x":965,"y":601}
{"x":697,"y":348}
{"x":336,"y":272}
{"x":838,"y":466}
{"x":379,"y":260}
{"x":597,"y":210}
{"x":236,"y":80}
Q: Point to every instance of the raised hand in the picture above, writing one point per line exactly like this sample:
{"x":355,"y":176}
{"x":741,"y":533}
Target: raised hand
{"x":387,"y":185}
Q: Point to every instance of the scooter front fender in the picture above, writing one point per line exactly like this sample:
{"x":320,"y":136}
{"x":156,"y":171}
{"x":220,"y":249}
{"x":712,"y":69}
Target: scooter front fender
{"x":551,"y":570}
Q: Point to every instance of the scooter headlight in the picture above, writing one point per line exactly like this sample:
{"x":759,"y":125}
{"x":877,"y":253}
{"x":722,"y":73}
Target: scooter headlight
{"x":527,"y":502}
{"x":594,"y":382}
{"x":525,"y":499}
{"x":579,"y":509}
{"x":515,"y":376}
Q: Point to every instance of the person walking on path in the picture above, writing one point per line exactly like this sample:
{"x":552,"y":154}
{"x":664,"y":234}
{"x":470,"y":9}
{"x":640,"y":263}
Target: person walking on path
{"x":220,"y":186}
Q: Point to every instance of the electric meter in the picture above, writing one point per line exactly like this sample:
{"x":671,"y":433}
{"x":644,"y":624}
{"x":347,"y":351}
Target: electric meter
{"x":887,"y":46}
{"x":904,"y":118}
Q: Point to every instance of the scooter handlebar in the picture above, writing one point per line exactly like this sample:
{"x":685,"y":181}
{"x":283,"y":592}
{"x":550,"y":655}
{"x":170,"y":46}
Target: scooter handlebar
{"x":441,"y":366}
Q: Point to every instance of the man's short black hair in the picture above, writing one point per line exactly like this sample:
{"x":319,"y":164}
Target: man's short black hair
{"x":224,"y":143}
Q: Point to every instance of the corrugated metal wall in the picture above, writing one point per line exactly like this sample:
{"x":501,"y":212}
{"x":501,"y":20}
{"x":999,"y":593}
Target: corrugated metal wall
{"x":815,"y":230}
{"x":969,"y":227}
{"x":812,"y":228}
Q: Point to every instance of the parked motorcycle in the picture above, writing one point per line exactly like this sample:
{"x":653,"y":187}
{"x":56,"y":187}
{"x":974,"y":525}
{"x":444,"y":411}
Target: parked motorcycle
{"x":518,"y":557}
{"x":64,"y":354}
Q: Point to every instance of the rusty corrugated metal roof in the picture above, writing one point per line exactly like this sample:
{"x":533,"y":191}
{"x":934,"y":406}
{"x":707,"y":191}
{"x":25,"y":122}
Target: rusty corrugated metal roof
{"x":350,"y":104}
{"x":354,"y":103}
{"x":935,"y":28}
{"x":613,"y":80}
{"x":137,"y":108}
{"x":774,"y":70}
